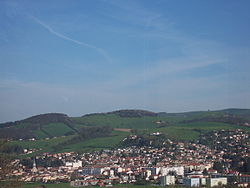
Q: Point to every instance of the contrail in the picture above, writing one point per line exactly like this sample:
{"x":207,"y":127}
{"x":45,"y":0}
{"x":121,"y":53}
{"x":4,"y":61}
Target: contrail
{"x":99,"y":50}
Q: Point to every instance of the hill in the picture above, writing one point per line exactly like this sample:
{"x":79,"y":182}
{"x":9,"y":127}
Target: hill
{"x":56,"y":124}
{"x":39,"y":126}
{"x":66,"y":131}
{"x":127,"y":113}
{"x":133,"y":113}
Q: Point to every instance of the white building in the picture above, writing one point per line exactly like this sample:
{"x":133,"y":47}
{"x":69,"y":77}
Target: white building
{"x":191,"y":182}
{"x":179,"y":170}
{"x":203,"y":181}
{"x":75,"y":164}
{"x":154,"y":170}
{"x":211,"y":182}
{"x":167,"y":180}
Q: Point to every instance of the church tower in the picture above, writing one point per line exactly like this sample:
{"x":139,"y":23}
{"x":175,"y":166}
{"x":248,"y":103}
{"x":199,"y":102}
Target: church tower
{"x":34,"y":169}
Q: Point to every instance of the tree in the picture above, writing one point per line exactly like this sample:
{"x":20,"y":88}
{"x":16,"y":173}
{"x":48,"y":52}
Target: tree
{"x":218,"y":166}
{"x":205,"y":172}
{"x":5,"y":169}
{"x":246,"y":166}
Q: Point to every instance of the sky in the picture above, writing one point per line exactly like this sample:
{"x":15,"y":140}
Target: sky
{"x":84,"y":56}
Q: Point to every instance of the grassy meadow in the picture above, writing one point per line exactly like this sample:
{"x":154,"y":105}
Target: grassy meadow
{"x":50,"y":135}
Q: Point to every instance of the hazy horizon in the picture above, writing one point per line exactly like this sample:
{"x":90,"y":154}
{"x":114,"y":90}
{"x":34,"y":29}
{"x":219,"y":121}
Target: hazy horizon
{"x":81,"y":57}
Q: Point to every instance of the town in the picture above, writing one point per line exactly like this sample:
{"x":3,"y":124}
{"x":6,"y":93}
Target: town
{"x":124,"y":93}
{"x":218,"y":158}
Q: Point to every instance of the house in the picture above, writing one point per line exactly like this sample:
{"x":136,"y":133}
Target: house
{"x":92,"y":170}
{"x":179,"y":170}
{"x":211,"y":182}
{"x":167,"y":180}
{"x":192,"y":182}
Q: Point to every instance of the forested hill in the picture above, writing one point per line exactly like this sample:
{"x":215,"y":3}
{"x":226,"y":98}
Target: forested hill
{"x":127,"y":113}
{"x":43,"y":125}
{"x":40,"y":120}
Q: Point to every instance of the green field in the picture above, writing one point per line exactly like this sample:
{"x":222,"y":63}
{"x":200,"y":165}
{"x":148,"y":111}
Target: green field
{"x":116,"y":121}
{"x":95,"y":144}
{"x":182,"y":132}
{"x":191,"y":131}
{"x":170,"y":124}
{"x":54,"y":185}
{"x":41,"y":146}
{"x":40,"y":134}
{"x":22,"y":125}
{"x":67,"y":185}
{"x":52,"y":130}
{"x":57,"y":129}
{"x":209,"y":126}
{"x":147,"y":122}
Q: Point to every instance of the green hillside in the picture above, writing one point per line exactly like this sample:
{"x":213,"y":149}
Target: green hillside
{"x":49,"y":145}
{"x":192,"y":131}
{"x":230,"y":116}
{"x":57,"y":132}
{"x":39,"y":127}
{"x":57,"y":129}
{"x":55,"y":124}
{"x":116,"y":121}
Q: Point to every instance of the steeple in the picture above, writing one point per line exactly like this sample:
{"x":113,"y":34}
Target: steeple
{"x":34,"y":169}
{"x":34,"y":163}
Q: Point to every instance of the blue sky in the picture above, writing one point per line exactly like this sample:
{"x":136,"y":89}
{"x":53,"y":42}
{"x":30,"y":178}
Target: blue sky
{"x":78,"y":57}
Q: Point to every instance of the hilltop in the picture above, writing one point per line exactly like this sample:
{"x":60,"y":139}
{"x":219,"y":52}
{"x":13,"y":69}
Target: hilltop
{"x":127,"y":113}
{"x":39,"y":126}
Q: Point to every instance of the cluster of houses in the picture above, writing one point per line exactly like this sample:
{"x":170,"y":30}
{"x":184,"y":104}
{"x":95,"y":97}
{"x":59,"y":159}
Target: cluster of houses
{"x":168,"y":175}
{"x":189,"y":164}
{"x":235,"y":142}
